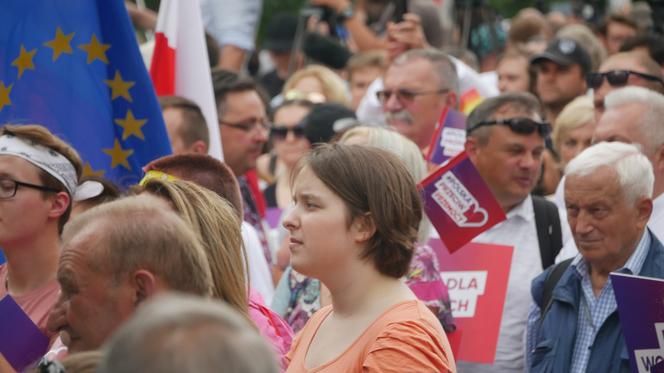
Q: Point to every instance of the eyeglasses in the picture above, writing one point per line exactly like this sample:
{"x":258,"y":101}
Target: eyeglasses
{"x":617,"y":78}
{"x":405,"y":96}
{"x":280,"y":132}
{"x":249,"y":125}
{"x":523,"y":126}
{"x":8,"y":187}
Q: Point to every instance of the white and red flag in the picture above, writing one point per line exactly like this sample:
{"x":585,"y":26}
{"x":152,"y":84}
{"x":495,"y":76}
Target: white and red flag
{"x":180,"y":62}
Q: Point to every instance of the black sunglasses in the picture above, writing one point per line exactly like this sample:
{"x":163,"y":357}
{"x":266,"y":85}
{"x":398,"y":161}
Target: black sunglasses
{"x":617,"y":78}
{"x":281,"y":132}
{"x":523,"y":126}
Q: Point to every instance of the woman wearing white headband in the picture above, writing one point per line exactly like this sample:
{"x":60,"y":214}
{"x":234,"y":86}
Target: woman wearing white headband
{"x":39,"y":175}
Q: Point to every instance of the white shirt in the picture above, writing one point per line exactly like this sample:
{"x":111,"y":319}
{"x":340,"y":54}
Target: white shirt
{"x":260,"y":276}
{"x":519,"y":232}
{"x":656,"y":222}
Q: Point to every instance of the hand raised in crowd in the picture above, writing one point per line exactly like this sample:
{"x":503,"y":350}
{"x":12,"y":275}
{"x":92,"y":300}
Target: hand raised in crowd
{"x":405,"y":35}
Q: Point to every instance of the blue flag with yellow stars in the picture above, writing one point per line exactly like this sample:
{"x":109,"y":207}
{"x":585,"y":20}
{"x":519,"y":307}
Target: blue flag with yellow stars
{"x":74,"y":66}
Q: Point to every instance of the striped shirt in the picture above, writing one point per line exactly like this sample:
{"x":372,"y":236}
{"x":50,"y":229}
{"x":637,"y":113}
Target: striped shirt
{"x":593,"y":311}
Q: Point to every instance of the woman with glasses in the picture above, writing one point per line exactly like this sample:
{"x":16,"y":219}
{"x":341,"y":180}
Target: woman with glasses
{"x":288,"y":146}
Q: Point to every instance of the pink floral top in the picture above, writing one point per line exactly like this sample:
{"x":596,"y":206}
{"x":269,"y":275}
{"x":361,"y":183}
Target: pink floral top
{"x":271,"y":326}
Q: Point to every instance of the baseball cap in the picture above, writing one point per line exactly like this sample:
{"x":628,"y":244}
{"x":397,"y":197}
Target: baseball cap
{"x":565,"y":52}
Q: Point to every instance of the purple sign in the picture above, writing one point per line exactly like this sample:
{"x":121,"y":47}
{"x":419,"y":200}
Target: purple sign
{"x":449,"y":138}
{"x":641,"y":309}
{"x":22,"y":342}
{"x":459,"y":203}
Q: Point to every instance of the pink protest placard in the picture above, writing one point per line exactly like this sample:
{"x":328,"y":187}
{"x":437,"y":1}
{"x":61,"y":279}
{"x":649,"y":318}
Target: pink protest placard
{"x":476,"y":277}
{"x":459,"y":203}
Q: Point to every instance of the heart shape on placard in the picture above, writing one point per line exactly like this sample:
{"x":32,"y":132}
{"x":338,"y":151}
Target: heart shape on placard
{"x":475,"y":216}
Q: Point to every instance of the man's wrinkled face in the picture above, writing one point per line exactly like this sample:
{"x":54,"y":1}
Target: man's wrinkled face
{"x":606,"y":226}
{"x":94,"y":304}
{"x":415,"y":100}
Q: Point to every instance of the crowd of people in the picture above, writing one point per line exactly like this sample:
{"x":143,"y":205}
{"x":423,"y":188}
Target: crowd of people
{"x":182,"y":272}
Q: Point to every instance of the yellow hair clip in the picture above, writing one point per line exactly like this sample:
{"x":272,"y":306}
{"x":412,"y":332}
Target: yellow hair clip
{"x":154,"y":174}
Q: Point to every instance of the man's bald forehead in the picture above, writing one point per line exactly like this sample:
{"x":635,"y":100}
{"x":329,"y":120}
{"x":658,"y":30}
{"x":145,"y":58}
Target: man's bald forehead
{"x":631,"y":61}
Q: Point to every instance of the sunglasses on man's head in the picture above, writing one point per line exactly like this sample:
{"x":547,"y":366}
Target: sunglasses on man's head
{"x":617,"y":78}
{"x":523,"y":126}
{"x":281,"y":132}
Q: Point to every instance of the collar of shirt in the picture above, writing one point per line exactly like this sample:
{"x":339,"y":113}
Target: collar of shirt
{"x":523,"y":210}
{"x":658,"y":203}
{"x":632,"y":266}
{"x":657,"y":209}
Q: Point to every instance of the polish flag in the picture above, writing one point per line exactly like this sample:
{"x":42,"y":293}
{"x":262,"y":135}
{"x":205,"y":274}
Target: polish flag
{"x":180,"y":62}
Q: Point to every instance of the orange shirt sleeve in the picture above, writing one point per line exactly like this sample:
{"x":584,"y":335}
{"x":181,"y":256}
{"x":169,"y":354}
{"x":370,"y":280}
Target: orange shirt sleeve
{"x":408,"y":347}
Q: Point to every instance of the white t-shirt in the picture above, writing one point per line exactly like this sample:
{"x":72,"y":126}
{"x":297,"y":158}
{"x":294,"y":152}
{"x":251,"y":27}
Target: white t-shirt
{"x":519,"y":232}
{"x":260,"y":276}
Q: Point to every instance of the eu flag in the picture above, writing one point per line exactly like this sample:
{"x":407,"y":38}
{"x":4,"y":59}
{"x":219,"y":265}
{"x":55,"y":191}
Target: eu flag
{"x":74,"y":67}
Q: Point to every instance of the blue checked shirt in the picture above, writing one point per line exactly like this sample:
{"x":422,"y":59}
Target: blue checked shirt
{"x":593,"y":311}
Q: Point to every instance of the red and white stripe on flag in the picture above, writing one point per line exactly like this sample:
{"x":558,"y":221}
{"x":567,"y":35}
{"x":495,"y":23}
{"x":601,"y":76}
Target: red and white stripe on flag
{"x":180,"y":62}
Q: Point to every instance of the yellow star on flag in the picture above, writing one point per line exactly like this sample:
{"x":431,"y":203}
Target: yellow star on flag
{"x":24,"y":60}
{"x":118,"y":155}
{"x":131,"y":126}
{"x":60,"y":44}
{"x":119,"y":87}
{"x":88,"y":171}
{"x":4,"y":95}
{"x":95,"y":50}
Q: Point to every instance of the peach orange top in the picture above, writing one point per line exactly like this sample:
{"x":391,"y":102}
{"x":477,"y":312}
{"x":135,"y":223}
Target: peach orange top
{"x":407,"y":337}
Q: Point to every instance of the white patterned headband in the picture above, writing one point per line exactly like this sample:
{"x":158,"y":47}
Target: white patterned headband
{"x":54,"y":163}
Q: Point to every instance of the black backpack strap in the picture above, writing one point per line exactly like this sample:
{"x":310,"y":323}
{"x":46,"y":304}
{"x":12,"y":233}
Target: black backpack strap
{"x":549,"y":233}
{"x":550,"y":283}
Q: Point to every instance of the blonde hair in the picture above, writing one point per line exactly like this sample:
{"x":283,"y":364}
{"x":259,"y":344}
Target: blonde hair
{"x":334,"y":88}
{"x":577,"y":113}
{"x":218,"y":226}
{"x":361,"y":60}
{"x":403,"y":148}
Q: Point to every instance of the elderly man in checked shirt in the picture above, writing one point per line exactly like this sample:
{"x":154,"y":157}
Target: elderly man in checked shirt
{"x":608,"y":197}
